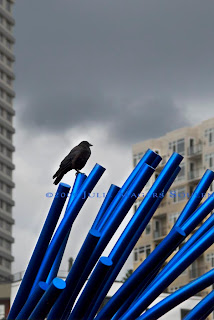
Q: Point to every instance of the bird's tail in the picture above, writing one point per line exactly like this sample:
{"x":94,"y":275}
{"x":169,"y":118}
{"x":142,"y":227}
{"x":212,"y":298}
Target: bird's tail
{"x":56,"y":174}
{"x":58,"y":179}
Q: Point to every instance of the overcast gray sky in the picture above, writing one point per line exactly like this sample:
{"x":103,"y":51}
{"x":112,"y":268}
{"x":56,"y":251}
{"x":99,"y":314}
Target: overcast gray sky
{"x":111,"y":72}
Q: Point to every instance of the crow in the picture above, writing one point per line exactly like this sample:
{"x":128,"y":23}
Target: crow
{"x":76,"y":159}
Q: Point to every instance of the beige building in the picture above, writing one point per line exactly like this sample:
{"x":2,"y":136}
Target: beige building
{"x":196,"y":144}
{"x":6,"y":149}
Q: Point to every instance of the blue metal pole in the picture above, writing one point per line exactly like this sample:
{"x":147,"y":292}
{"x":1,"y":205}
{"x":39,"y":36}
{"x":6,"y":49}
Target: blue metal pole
{"x":165,"y":248}
{"x":67,"y":222}
{"x":113,"y":190}
{"x":179,"y":296}
{"x":207,"y":225}
{"x":80,"y":178}
{"x":93,"y":284}
{"x":48,"y":299}
{"x":202,"y":309}
{"x":196,"y":197}
{"x":118,"y":266}
{"x":75,"y":273}
{"x":149,"y":158}
{"x":39,"y":251}
{"x":201,"y":213}
{"x":153,"y":291}
{"x":32,"y":301}
{"x":118,"y":215}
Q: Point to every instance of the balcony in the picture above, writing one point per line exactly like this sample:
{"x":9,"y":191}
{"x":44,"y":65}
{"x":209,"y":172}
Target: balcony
{"x":195,"y":174}
{"x":195,"y":150}
{"x":196,"y":272}
{"x":160,"y":233}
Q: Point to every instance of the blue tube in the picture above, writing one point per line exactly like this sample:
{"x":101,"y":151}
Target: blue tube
{"x":67,"y":222}
{"x":118,"y":266}
{"x":207,"y":225}
{"x":40,"y":250}
{"x":196,"y":197}
{"x":149,"y":158}
{"x":112,"y":192}
{"x":118,"y":215}
{"x":75,"y":273}
{"x":94,"y":283}
{"x":202,"y":309}
{"x":48,"y":299}
{"x":32,"y":301}
{"x":153,"y":291}
{"x":80,"y":178}
{"x":204,"y":209}
{"x":165,"y":248}
{"x":179,"y":296}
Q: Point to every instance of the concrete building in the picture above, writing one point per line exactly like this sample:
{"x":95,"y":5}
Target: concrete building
{"x":196,"y":144}
{"x":6,"y":148}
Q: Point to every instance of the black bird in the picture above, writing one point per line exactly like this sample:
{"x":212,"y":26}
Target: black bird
{"x":76,"y":159}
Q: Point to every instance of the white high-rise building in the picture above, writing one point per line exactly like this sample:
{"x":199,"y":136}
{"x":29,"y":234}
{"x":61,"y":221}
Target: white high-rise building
{"x":6,"y":149}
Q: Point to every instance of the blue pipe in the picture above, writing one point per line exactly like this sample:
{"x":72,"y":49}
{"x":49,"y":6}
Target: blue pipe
{"x":32,"y":301}
{"x":67,"y":222}
{"x":40,"y":250}
{"x":118,"y":266}
{"x":76,"y":270}
{"x":48,"y":299}
{"x":165,"y":248}
{"x":80,"y":178}
{"x":112,"y":192}
{"x":205,"y":208}
{"x":152,"y":292}
{"x":93,"y":284}
{"x":202,"y":309}
{"x":149,"y":158}
{"x":118,"y":215}
{"x":196,"y":197}
{"x":178,"y":297}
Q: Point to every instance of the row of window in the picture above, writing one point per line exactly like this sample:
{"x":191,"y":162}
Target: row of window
{"x":5,"y":133}
{"x":141,"y":250}
{"x":7,"y":5}
{"x":5,"y":96}
{"x":5,"y":263}
{"x":5,"y":206}
{"x":5,"y":188}
{"x":5,"y":59}
{"x":5,"y":151}
{"x":5,"y":114}
{"x":177,"y":146}
{"x":5,"y":225}
{"x":210,"y":259}
{"x":5,"y":169}
{"x":5,"y":41}
{"x":5,"y":23}
{"x":5,"y":244}
{"x":5,"y":77}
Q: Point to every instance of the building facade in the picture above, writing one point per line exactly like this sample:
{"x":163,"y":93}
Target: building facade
{"x":6,"y":148}
{"x":196,"y":144}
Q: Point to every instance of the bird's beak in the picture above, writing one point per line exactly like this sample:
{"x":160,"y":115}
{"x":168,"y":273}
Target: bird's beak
{"x":91,"y":145}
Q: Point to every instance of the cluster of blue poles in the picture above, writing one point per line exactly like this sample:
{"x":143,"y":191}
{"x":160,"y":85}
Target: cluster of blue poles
{"x":42,"y":295}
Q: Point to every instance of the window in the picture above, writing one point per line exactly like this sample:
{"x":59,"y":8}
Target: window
{"x":181,"y":174}
{"x":148,"y":228}
{"x":135,"y":254}
{"x":173,"y":217}
{"x":209,"y":133}
{"x":8,"y":6}
{"x":8,"y":98}
{"x":141,"y":250}
{"x":148,"y":250}
{"x":9,"y":135}
{"x":8,"y":208}
{"x":178,"y":194}
{"x":177,"y":146}
{"x":210,"y":259}
{"x":9,"y":116}
{"x":137,"y":157}
{"x":209,"y":159}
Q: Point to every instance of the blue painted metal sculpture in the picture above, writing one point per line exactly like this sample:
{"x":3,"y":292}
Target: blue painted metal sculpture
{"x":42,"y":295}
